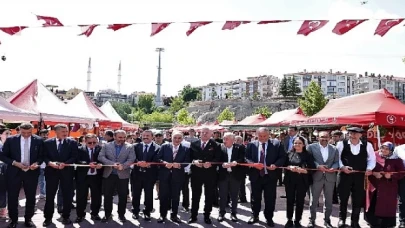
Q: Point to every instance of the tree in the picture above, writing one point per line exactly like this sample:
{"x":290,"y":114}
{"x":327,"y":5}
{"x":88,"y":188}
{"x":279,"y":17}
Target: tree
{"x":226,"y":114}
{"x":264,"y":110}
{"x":123,"y":109}
{"x":137,"y":115}
{"x":158,"y":117}
{"x":167,"y":101}
{"x":146,"y":102}
{"x":176,"y":105}
{"x":184,"y":118}
{"x":293,"y":88}
{"x":313,"y":99}
{"x":213,"y":94}
{"x":255,"y":96}
{"x":284,"y":87}
{"x":189,"y":93}
{"x":228,"y":95}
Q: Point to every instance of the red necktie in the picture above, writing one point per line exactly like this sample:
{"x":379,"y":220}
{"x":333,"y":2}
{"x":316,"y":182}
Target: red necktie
{"x":203,"y":146}
{"x":262,"y":173}
{"x":92,"y":170}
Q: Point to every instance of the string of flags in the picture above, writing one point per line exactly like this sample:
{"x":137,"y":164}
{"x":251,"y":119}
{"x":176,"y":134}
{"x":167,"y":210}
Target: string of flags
{"x":307,"y":27}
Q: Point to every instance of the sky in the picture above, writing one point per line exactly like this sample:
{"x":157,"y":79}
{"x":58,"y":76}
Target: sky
{"x":58,"y":56}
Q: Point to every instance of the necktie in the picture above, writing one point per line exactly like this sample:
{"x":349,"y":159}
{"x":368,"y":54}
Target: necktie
{"x":26,"y":159}
{"x":92,"y":170}
{"x":60,"y":146}
{"x":175,"y":150}
{"x":145,"y":151}
{"x":203,"y":146}
{"x":262,"y":158}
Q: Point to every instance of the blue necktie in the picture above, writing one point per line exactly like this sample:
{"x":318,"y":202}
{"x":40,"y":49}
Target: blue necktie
{"x":60,"y":146}
{"x":145,"y":151}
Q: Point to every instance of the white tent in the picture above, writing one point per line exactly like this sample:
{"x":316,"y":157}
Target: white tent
{"x":10,"y":113}
{"x":110,"y":112}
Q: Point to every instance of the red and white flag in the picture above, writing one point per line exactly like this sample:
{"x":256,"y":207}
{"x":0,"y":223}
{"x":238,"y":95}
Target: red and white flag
{"x":16,"y":30}
{"x":230,"y":25}
{"x":158,"y":27}
{"x":386,"y":25}
{"x":87,"y":30}
{"x":308,"y":27}
{"x":116,"y":27}
{"x":49,"y":21}
{"x":345,"y":26}
{"x":196,"y":25}
{"x":272,"y":22}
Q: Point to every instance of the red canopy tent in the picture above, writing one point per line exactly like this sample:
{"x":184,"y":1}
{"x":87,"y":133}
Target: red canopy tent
{"x":112,"y":114}
{"x":285,"y":118}
{"x":379,"y":107}
{"x":11,"y":113}
{"x":251,"y":120}
{"x":36,"y":98}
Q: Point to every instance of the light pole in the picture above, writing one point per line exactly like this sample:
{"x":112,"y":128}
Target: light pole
{"x":158,"y":100}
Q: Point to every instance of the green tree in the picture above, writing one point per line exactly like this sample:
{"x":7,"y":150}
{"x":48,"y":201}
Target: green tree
{"x":284,"y":87}
{"x":189,"y":93}
{"x":226,"y":114}
{"x":176,"y":105}
{"x":264,"y":110}
{"x":214,"y":94}
{"x":158,"y":117}
{"x":255,"y":96}
{"x":123,"y":109}
{"x":184,"y":118}
{"x":228,"y":95}
{"x":312,"y":100}
{"x":137,"y":115}
{"x":293,"y":88}
{"x":146,"y":102}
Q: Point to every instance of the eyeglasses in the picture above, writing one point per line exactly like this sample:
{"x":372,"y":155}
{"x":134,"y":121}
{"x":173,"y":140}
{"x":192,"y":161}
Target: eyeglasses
{"x":90,"y":143}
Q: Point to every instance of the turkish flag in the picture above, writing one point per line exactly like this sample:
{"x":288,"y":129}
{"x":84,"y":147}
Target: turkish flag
{"x":308,"y":27}
{"x":16,"y":30}
{"x":87,"y":30}
{"x":345,"y":26}
{"x":116,"y":27}
{"x":230,"y":25}
{"x":196,"y":25}
{"x":386,"y":25}
{"x":158,"y":27}
{"x":272,"y":22}
{"x":50,"y":21}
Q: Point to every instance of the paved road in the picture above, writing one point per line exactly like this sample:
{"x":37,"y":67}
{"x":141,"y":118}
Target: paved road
{"x":244,"y":215}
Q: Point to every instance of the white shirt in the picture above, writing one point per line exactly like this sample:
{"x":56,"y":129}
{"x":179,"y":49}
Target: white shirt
{"x":355,"y":149}
{"x":187,"y":145}
{"x":89,"y":172}
{"x":324,"y":152}
{"x":400,"y":152}
{"x":229,"y":152}
{"x":57,"y":142}
{"x":22,"y":143}
{"x":144,"y":146}
{"x":259,"y":151}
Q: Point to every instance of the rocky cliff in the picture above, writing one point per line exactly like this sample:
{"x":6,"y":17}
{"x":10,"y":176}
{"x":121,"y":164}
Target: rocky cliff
{"x":205,"y":111}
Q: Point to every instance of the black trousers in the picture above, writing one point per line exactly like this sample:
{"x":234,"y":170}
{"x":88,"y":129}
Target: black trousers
{"x":94,"y":183}
{"x":351,"y":184}
{"x":196,"y":186}
{"x":216,"y":191}
{"x":109,"y":185}
{"x":242,"y":189}
{"x":52,"y":184}
{"x":229,"y":186}
{"x":29,"y":181}
{"x":401,"y":204}
{"x":295,"y":193}
{"x":169,"y":195}
{"x":186,"y":191}
{"x":142,"y":182}
{"x":269,"y":187}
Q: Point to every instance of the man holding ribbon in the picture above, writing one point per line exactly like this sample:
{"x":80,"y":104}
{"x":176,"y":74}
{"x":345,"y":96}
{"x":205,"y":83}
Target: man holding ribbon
{"x":23,"y":155}
{"x":59,"y":154}
{"x":265,"y":155}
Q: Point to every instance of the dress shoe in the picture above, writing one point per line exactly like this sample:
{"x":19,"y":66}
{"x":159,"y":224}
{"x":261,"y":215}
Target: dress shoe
{"x":122,"y":219}
{"x":60,"y":209}
{"x":355,"y":225}
{"x":283,"y":197}
{"x":12,"y":224}
{"x":95,"y":218}
{"x":242,"y":201}
{"x":401,"y":225}
{"x":79,"y":219}
{"x":327,"y":224}
{"x":186,"y":209}
{"x":175,"y":219}
{"x":311,"y":224}
{"x":253,"y":220}
{"x":297,"y":224}
{"x":234,"y":218}
{"x":47,"y":222}
{"x":207,"y":220}
{"x":135,"y":216}
{"x":29,"y":223}
{"x":270,"y":222}
{"x":289,"y":224}
{"x":161,"y":219}
{"x":73,"y":206}
{"x":341,"y":223}
{"x":66,"y":221}
{"x":106,"y":219}
{"x":146,"y":217}
{"x":220,"y":218}
{"x":192,"y":220}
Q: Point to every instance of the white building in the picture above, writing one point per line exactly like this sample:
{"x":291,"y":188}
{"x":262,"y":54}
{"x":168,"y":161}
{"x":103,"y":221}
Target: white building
{"x":369,"y":82}
{"x":333,"y":84}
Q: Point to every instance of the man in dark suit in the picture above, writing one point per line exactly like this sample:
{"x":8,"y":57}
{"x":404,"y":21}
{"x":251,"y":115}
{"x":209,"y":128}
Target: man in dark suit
{"x":144,"y":176}
{"x":203,"y":153}
{"x":266,"y":155}
{"x":171,"y":176}
{"x":289,"y":139}
{"x":59,"y":154}
{"x":23,"y":155}
{"x":230,"y":175}
{"x":89,"y":178}
{"x":242,"y":190}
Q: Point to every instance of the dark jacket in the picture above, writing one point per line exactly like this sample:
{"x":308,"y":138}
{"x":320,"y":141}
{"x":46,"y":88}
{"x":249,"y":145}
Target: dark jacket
{"x":151,"y":156}
{"x":211,"y":153}
{"x":238,"y":155}
{"x":68,"y":155}
{"x":84,"y":159}
{"x":166,"y":155}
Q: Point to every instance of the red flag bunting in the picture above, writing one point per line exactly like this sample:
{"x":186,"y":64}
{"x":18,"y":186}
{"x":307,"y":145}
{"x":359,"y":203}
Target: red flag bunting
{"x":16,"y":30}
{"x":116,"y":27}
{"x":87,"y":29}
{"x":386,"y":25}
{"x":345,"y":26}
{"x":272,"y":22}
{"x":196,"y":25}
{"x":230,"y":25}
{"x":158,"y":27}
{"x":50,"y":21}
{"x":308,"y":27}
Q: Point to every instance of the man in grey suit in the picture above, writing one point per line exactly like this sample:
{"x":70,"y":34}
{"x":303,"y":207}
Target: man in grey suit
{"x":326,"y":159}
{"x":117,"y":156}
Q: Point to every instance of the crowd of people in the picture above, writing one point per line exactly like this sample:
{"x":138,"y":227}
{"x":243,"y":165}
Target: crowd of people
{"x":336,"y":166}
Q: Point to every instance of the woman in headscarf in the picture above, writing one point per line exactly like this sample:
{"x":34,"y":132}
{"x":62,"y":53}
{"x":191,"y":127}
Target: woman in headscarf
{"x":4,"y":133}
{"x":382,"y":194}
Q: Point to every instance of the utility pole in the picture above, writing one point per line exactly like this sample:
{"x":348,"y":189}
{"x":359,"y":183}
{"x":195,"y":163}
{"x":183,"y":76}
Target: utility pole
{"x":158,"y":100}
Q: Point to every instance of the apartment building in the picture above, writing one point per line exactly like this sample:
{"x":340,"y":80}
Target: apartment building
{"x":333,"y":84}
{"x":103,"y":96}
{"x":369,"y":82}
